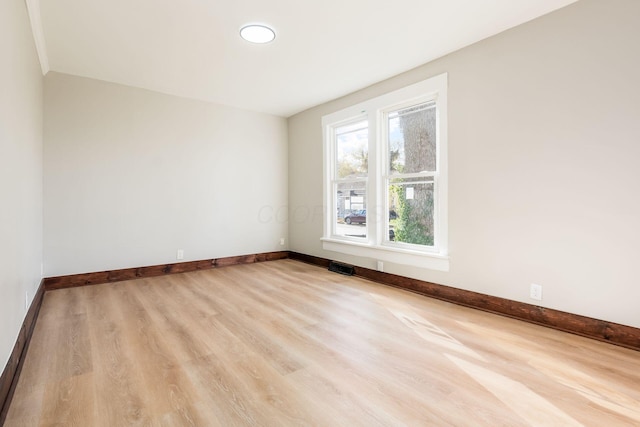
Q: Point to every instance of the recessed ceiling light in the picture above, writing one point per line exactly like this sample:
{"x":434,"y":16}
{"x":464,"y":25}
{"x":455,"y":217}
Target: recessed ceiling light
{"x":257,"y":33}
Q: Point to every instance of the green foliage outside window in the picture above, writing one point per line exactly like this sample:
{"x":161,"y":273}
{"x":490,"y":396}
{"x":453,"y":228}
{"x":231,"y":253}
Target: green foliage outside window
{"x":415,"y":217}
{"x":415,"y":151}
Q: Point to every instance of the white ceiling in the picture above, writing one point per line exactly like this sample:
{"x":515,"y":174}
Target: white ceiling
{"x":323,"y":49}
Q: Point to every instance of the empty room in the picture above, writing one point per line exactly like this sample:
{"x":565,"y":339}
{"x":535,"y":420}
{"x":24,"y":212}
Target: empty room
{"x":356,"y":213}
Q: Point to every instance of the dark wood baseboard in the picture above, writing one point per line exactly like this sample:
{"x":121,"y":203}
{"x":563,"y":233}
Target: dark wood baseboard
{"x":75,"y":280}
{"x":11,"y":372}
{"x":614,"y":333}
{"x":310,"y":259}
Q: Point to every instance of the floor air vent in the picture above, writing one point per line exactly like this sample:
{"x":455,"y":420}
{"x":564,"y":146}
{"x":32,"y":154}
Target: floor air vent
{"x":347,"y":270}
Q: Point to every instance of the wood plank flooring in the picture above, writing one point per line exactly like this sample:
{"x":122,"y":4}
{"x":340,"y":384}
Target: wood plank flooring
{"x":283,"y":343}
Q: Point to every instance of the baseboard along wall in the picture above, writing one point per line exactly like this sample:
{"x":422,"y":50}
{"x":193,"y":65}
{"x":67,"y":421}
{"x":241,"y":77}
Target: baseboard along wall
{"x":75,"y":280}
{"x":11,"y":373}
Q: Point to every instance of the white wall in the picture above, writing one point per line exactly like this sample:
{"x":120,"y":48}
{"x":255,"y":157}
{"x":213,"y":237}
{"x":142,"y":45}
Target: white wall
{"x":544,"y":163}
{"x":20,"y":171}
{"x":132,"y":175}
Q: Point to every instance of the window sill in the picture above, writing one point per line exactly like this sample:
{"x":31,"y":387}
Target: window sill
{"x":419,"y":259}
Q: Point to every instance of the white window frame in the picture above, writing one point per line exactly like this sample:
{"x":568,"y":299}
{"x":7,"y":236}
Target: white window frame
{"x":375,"y":245}
{"x":334,"y":179}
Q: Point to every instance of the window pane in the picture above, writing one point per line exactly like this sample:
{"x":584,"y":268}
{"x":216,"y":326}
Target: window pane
{"x":412,"y":139}
{"x":351,"y":206}
{"x":352,"y":150}
{"x":411,"y":211}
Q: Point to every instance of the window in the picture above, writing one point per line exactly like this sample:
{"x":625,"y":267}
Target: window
{"x":386,"y":177}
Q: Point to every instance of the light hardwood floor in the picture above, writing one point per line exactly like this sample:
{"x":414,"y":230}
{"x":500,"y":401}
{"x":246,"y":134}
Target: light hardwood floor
{"x":285,"y":343}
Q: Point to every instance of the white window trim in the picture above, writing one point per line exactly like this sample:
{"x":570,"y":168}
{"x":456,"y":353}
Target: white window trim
{"x":375,"y":246}
{"x":329,"y":179}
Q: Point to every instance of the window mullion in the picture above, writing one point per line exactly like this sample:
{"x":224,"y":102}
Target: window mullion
{"x":374,"y":174}
{"x":383,"y":173}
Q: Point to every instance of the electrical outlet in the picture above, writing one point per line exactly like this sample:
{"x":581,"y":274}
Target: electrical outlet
{"x":180,"y":254}
{"x":282,"y":241}
{"x":535,"y":292}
